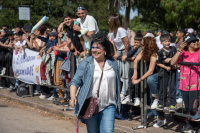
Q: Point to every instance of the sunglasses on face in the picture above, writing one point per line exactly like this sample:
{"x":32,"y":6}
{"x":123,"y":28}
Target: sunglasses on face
{"x":97,"y":48}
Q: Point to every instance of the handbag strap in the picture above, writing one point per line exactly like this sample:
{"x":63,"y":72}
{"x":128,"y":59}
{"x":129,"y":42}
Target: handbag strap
{"x":101,"y":79}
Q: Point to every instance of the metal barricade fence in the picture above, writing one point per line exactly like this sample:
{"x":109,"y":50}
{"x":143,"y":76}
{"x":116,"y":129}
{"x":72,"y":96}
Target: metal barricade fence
{"x":183,"y":111}
{"x":7,"y":63}
{"x":73,"y":63}
{"x":143,"y":87}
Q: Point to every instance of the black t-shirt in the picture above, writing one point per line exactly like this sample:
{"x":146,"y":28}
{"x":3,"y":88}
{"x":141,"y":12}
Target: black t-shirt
{"x":73,"y":35}
{"x":4,"y":39}
{"x":162,"y":55}
{"x":173,"y":39}
{"x":3,"y":51}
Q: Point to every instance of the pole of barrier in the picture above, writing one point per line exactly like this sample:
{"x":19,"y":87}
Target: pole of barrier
{"x":145,"y":97}
{"x":142,"y":98}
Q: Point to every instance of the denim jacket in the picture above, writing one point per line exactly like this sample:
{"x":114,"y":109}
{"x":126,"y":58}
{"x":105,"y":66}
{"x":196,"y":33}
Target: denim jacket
{"x":83,"y":79}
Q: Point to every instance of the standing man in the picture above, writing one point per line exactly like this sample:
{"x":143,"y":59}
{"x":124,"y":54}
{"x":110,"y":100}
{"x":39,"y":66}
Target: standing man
{"x":180,"y":35}
{"x":71,"y":33}
{"x":88,"y":26}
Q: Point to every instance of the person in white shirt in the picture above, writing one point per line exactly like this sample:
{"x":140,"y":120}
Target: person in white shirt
{"x":159,"y":32}
{"x":122,"y":43}
{"x":20,"y":41}
{"x":88,"y":25}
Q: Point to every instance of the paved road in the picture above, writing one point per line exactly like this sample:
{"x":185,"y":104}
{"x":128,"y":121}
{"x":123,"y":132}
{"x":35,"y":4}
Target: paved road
{"x":17,"y":120}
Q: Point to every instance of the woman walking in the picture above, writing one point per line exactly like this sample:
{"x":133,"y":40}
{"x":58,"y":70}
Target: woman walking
{"x":98,"y":77}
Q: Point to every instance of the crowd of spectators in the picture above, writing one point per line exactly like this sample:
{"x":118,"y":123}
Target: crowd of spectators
{"x":162,"y":53}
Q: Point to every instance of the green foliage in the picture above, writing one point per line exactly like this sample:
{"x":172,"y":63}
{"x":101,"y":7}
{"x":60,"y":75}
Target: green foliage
{"x":170,"y":14}
{"x":136,"y":24}
{"x":54,"y":9}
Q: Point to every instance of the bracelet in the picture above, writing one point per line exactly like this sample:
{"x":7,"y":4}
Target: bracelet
{"x":179,"y":50}
{"x":140,"y":79}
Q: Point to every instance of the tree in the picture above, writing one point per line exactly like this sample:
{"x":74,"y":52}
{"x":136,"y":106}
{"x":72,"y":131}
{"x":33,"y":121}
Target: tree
{"x":170,"y":14}
{"x":54,"y":9}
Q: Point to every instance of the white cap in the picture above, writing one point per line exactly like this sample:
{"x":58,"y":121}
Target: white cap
{"x":149,"y":35}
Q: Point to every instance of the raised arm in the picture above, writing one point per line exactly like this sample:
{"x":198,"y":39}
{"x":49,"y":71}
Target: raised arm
{"x":174,"y":60}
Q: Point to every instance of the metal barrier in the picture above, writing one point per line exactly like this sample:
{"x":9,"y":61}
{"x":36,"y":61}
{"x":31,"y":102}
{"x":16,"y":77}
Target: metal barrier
{"x":143,"y":88}
{"x":8,"y":76}
{"x":73,"y":62}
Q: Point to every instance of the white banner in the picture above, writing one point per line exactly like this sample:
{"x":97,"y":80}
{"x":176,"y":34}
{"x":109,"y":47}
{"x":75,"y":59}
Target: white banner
{"x":27,"y":68}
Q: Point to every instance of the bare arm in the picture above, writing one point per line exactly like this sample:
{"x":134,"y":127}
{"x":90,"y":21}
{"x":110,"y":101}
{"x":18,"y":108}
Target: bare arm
{"x":174,"y":60}
{"x":60,"y":27}
{"x":135,"y":65}
{"x":89,"y":33}
{"x":151,"y":68}
{"x":126,"y":43}
{"x":162,"y":66}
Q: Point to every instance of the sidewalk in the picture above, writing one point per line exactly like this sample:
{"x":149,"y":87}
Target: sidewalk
{"x":121,"y":126}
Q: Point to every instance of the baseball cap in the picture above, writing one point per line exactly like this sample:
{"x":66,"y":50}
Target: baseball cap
{"x":189,"y":38}
{"x":53,"y":33}
{"x":79,"y":8}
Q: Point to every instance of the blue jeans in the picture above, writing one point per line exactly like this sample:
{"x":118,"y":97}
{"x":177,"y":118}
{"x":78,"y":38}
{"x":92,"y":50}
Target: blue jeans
{"x":37,"y":88}
{"x":103,"y":122}
{"x":123,"y":72}
{"x":152,"y":82}
{"x":178,"y":91}
{"x":55,"y":92}
{"x":17,"y":82}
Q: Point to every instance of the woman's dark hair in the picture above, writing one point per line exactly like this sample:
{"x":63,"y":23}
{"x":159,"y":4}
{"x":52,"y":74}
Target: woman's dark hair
{"x":115,"y":22}
{"x":103,"y":40}
{"x":42,"y":29}
{"x":20,"y":33}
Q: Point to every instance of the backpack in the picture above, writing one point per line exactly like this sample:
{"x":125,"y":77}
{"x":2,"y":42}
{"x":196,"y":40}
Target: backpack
{"x":22,"y":89}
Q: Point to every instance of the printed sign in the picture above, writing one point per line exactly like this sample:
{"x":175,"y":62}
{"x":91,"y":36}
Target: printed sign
{"x":26,"y":66}
{"x":24,"y":13}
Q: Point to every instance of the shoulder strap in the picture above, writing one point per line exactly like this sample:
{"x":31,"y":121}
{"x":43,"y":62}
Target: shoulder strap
{"x":100,"y":80}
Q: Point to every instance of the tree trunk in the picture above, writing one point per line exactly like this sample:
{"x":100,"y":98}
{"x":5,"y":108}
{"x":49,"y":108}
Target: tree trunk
{"x":127,"y":15}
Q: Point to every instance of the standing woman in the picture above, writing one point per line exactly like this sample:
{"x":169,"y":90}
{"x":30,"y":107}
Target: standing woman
{"x":88,"y":78}
{"x":122,"y":42}
{"x":149,"y":54}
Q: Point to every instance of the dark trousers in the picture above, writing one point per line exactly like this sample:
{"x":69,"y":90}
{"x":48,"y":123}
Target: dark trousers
{"x":131,"y":87}
{"x":189,"y":98}
{"x":162,"y":90}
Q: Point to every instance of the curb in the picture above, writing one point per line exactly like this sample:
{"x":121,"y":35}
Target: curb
{"x":39,"y":106}
{"x":49,"y":109}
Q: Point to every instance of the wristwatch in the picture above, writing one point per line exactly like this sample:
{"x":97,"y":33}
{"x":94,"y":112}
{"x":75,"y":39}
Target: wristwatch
{"x":140,"y":79}
{"x":179,"y":50}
